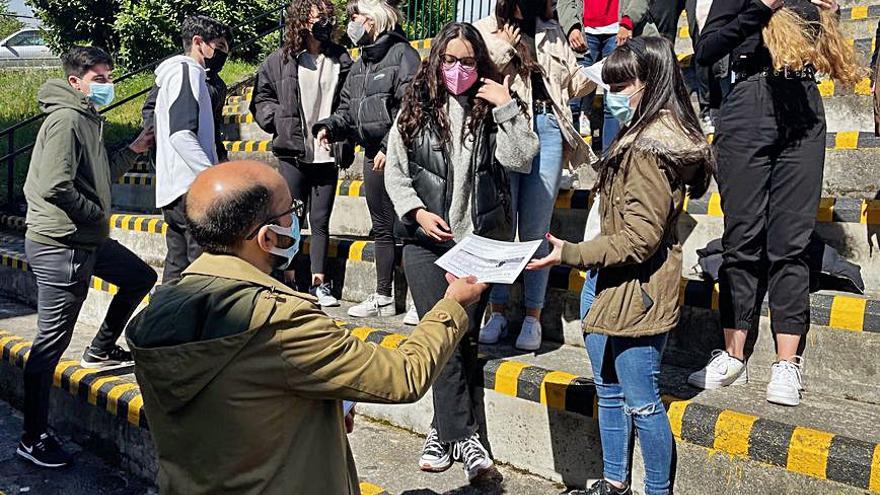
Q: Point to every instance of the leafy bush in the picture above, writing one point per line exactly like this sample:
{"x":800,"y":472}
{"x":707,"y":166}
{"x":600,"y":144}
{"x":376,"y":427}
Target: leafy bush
{"x":8,"y":24}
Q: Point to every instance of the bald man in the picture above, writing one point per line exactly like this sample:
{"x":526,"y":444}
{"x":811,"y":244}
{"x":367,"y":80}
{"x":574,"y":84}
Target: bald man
{"x":243,"y":377}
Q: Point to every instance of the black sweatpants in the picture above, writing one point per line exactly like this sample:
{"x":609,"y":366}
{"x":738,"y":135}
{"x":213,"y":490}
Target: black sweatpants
{"x":180,"y":247}
{"x":383,"y":217}
{"x":455,"y":399}
{"x":770,"y":146}
{"x":63,"y":276}
{"x":315,"y":185}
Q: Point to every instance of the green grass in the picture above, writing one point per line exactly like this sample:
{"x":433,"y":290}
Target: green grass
{"x":18,"y":101}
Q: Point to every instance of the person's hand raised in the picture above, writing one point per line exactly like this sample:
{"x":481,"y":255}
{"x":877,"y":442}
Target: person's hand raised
{"x":496,"y":94}
{"x":509,"y":33}
{"x":830,"y":5}
{"x":464,"y":291}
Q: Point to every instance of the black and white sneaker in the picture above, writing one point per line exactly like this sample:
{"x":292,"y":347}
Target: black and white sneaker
{"x":113,"y":358}
{"x":477,"y":463}
{"x":600,"y":487}
{"x":45,"y":452}
{"x":436,"y":455}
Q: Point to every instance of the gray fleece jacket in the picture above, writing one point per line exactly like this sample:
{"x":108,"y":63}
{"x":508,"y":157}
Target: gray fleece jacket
{"x":516,"y":147}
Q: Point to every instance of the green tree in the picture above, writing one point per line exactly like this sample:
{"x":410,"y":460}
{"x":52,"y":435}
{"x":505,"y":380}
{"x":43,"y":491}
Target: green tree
{"x":72,"y":22}
{"x":8,"y":24}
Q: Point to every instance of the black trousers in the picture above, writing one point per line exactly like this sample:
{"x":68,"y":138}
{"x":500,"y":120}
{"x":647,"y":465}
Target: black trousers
{"x":665,"y":14}
{"x":181,"y":248}
{"x":315,"y":185}
{"x":63,"y":276}
{"x":770,"y":146}
{"x":456,"y":390}
{"x":383,"y":218}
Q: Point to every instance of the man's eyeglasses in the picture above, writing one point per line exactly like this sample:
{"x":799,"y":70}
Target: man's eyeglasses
{"x":297,"y":209}
{"x":469,"y":62}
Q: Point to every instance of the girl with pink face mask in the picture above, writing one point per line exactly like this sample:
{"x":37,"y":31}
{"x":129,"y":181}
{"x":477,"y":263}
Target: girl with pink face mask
{"x":457,"y":135}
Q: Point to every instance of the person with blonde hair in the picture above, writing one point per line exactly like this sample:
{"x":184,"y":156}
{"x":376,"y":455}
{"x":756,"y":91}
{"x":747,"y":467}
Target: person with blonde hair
{"x":369,"y":102}
{"x":770,"y":143}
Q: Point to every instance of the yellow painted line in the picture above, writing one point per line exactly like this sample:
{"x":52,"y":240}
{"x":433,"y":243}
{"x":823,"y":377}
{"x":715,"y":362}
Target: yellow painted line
{"x":134,"y":409}
{"x":77,"y":377}
{"x":392,"y":341}
{"x":15,"y":350}
{"x":826,"y":210}
{"x":848,"y":313}
{"x":676,"y":415}
{"x":356,"y":251}
{"x":362,"y":332}
{"x":826,"y":88}
{"x":97,"y":384}
{"x":576,"y":279}
{"x":874,"y":480}
{"x":114,"y":395}
{"x":153,"y":226}
{"x":732,"y":432}
{"x":370,"y":489}
{"x":354,"y":189}
{"x":714,"y":207}
{"x":506,"y":377}
{"x":808,"y":452}
{"x":858,"y":13}
{"x":554,"y":387}
{"x":139,"y":224}
{"x":59,"y":371}
{"x":716,"y":294}
{"x":6,"y":340}
{"x":863,"y":87}
{"x":846,"y":140}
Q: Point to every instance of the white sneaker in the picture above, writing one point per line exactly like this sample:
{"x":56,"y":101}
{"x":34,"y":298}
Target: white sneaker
{"x":412,"y":317}
{"x":375,"y":305}
{"x":786,"y":382}
{"x":530,"y":336}
{"x":723,"y":370}
{"x":494,"y":329}
{"x":475,"y":457}
{"x":584,"y":123}
{"x":325,"y":296}
{"x":436,"y":455}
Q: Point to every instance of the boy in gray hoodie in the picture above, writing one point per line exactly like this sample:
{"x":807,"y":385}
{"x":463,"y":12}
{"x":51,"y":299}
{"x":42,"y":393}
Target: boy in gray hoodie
{"x":67,"y":239}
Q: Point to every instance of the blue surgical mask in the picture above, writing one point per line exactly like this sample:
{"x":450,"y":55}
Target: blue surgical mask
{"x":619,"y":106}
{"x":102,"y":94}
{"x":294,"y":233}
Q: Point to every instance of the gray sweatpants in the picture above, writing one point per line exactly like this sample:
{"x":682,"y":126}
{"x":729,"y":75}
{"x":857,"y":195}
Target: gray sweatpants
{"x":63,"y":276}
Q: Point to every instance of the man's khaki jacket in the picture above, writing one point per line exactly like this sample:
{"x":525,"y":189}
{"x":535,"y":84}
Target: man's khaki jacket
{"x":243,"y":378}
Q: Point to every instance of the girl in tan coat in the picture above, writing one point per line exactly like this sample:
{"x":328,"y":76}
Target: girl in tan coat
{"x":660,"y":155}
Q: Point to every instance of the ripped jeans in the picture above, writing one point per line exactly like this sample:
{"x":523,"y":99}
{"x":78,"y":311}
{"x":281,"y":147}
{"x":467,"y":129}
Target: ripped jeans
{"x":626,"y":372}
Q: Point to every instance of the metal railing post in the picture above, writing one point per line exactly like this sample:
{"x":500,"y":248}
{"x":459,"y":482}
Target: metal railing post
{"x":281,"y":26}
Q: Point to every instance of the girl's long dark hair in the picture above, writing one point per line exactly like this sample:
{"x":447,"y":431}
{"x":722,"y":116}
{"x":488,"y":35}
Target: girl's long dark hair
{"x":505,"y":11}
{"x":652,"y":61}
{"x":425,"y":99}
{"x":296,"y":28}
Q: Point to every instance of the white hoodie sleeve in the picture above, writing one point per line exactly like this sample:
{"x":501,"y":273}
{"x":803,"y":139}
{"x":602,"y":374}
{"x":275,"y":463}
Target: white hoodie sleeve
{"x":183,"y":117}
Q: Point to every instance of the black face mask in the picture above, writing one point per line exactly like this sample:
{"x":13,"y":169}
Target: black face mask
{"x":215,"y":64}
{"x":322,"y":30}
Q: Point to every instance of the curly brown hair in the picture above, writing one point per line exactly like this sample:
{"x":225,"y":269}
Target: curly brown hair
{"x":795,"y":42}
{"x":297,"y":26}
{"x":425,"y":99}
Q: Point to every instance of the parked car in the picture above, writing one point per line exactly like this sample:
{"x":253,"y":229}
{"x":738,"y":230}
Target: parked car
{"x":26,"y":47}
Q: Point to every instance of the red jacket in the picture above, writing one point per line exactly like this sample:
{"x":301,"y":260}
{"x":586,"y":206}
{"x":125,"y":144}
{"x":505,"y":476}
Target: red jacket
{"x":601,"y":13}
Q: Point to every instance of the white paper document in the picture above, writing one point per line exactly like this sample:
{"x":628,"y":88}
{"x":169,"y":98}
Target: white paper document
{"x":594,"y":73}
{"x":492,"y":262}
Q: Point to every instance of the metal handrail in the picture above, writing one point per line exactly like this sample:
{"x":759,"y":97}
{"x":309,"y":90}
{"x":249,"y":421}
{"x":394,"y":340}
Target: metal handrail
{"x":9,"y":132}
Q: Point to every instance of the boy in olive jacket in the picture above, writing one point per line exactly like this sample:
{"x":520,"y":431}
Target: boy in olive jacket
{"x":68,"y":195}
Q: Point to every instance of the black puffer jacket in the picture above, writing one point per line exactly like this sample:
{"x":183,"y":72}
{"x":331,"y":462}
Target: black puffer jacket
{"x":372,"y":93}
{"x":277,"y":105}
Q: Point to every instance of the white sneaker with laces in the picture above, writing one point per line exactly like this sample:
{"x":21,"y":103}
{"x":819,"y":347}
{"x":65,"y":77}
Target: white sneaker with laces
{"x":412,"y":317}
{"x":530,"y":336}
{"x":786,"y":382}
{"x":494,"y":329}
{"x":474,"y":456}
{"x":325,"y":296}
{"x":436,"y":455}
{"x":375,"y":305}
{"x":723,"y":370}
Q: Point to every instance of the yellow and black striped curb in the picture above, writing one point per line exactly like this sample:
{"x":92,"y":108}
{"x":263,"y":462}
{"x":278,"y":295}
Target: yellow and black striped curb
{"x":13,"y":222}
{"x":118,"y":395}
{"x":836,"y":210}
{"x":797,"y":449}
{"x":139,"y":223}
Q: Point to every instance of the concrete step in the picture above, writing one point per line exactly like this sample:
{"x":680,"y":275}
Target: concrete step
{"x":843,"y":325}
{"x":539,"y":416}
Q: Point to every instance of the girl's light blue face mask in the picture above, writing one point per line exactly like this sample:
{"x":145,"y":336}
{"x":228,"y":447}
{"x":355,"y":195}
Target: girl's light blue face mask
{"x":619,"y":105}
{"x":102,"y":94}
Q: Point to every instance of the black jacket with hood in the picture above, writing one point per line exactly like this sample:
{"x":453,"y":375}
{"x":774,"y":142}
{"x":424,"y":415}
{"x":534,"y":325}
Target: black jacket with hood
{"x":277,"y":104}
{"x":373,"y":92}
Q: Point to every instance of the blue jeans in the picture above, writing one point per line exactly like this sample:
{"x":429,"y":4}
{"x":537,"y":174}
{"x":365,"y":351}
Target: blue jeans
{"x":534,"y":197}
{"x":626,"y":372}
{"x":599,"y":46}
{"x":588,"y":292}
